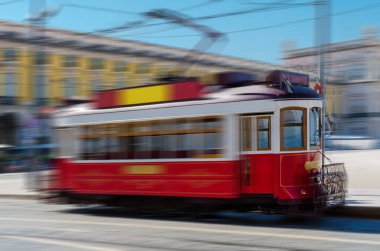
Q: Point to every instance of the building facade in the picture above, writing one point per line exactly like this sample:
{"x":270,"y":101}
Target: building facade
{"x":42,"y":68}
{"x":353,"y":92}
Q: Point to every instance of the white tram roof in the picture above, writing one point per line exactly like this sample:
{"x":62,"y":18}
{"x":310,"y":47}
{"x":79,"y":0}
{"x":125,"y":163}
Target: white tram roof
{"x":246,"y":99}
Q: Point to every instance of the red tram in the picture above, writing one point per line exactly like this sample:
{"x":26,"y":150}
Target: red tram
{"x":241,"y":144}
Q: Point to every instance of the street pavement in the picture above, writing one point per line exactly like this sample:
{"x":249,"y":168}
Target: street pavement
{"x":32,"y":225}
{"x":363,"y":170}
{"x":18,"y":185}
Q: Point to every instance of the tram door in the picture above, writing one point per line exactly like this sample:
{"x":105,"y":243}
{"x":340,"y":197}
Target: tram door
{"x":255,"y":170}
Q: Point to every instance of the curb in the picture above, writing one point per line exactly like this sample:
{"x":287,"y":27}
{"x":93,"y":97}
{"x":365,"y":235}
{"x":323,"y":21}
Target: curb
{"x":20,"y":196}
{"x":365,"y":212}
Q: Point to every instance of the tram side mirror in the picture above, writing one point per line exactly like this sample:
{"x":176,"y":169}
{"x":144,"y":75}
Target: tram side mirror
{"x":329,"y":125}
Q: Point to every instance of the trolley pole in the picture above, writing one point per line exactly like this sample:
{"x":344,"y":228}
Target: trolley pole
{"x":38,"y":14}
{"x":322,"y":40}
{"x":35,"y":31}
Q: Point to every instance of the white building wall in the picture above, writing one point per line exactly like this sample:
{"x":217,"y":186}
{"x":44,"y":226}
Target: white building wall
{"x":355,"y":68}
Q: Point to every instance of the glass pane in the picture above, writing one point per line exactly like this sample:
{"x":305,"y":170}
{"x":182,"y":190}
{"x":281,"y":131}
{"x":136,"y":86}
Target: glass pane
{"x":263,"y":123}
{"x":293,"y":137}
{"x":198,"y":124}
{"x":171,"y":143}
{"x":123,"y":148}
{"x":155,"y":127}
{"x":168,"y":126}
{"x":168,"y":146}
{"x":91,"y":144}
{"x":292,"y":116}
{"x":40,"y":88}
{"x":213,"y":123}
{"x":182,"y":125}
{"x":102,"y":148}
{"x":10,"y":84}
{"x":246,"y":134}
{"x":314,"y":127}
{"x":131,"y":147}
{"x":96,"y":85}
{"x":71,"y":61}
{"x":120,"y":66}
{"x":41,"y":58}
{"x":96,"y":64}
{"x":213,"y":143}
{"x":181,"y":142}
{"x":195,"y":144}
{"x":263,"y":142}
{"x":69,"y":90}
{"x":113,"y":144}
{"x":10,"y":54}
{"x":156,"y":146}
{"x":143,"y":147}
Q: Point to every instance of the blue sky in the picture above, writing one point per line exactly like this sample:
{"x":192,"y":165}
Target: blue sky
{"x":262,"y":44}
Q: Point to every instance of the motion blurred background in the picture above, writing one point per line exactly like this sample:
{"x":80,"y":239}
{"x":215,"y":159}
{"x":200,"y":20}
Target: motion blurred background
{"x":58,"y":53}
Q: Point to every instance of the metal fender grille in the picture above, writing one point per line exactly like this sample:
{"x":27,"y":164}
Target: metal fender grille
{"x":333,"y":185}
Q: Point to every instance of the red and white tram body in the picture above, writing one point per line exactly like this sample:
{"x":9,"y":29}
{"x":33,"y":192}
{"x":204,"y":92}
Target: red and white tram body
{"x":252,"y":145}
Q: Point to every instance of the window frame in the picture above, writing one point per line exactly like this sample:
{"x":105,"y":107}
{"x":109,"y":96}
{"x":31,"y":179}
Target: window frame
{"x":42,"y":58}
{"x":269,"y":148}
{"x":70,"y":61}
{"x":10,"y":54}
{"x":97,"y":64}
{"x":120,"y":66}
{"x":304,"y":128}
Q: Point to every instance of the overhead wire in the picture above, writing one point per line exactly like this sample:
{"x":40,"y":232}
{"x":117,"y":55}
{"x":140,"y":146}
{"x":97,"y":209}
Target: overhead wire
{"x":192,"y":19}
{"x":134,"y":24}
{"x":248,"y":11}
{"x":191,"y":7}
{"x":262,"y":3}
{"x":166,"y":29}
{"x":199,"y":5}
{"x":219,"y":15}
{"x":87,"y":7}
{"x":11,"y":2}
{"x":277,"y":25}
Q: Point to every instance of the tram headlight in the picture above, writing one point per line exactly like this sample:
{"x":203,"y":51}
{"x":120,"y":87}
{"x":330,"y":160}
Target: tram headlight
{"x":303,"y":191}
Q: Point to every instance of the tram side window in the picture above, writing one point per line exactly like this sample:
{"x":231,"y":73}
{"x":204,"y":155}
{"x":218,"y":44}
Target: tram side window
{"x":182,"y":142}
{"x":86,"y":148}
{"x":293,"y":128}
{"x":123,"y":147}
{"x":196,"y":138}
{"x":213,"y":138}
{"x":83,"y":142}
{"x":156,"y":139}
{"x":113,"y":148}
{"x":263,"y":133}
{"x":101,"y":148}
{"x":113,"y":143}
{"x":168,"y":139}
{"x":213,"y":145}
{"x":315,"y":127}
{"x":199,"y":137}
{"x":65,"y":136}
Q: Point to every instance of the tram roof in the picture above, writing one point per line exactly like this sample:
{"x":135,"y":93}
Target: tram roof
{"x":256,"y":92}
